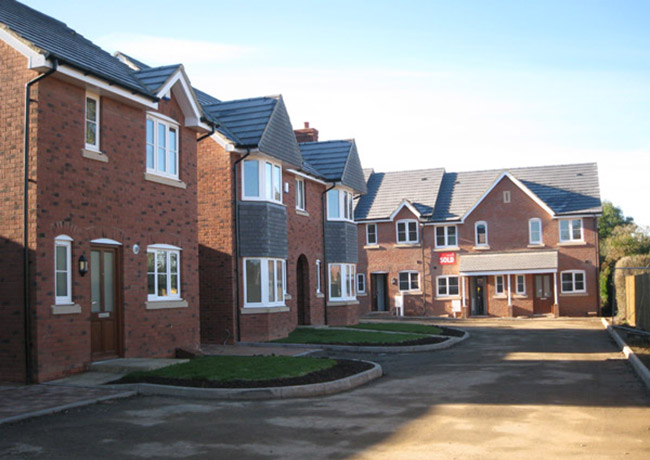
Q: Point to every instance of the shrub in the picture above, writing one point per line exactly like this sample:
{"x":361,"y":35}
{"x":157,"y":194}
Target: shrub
{"x":619,"y":279}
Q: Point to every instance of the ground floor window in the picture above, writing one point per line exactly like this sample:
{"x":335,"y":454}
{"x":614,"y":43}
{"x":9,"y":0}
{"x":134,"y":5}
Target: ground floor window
{"x":264,"y":282}
{"x":573,"y":281}
{"x":409,"y":281}
{"x":521,"y":285}
{"x":499,"y":285}
{"x":361,"y":283}
{"x":63,"y":269}
{"x":447,"y":286}
{"x":163,"y":272}
{"x":341,"y":281}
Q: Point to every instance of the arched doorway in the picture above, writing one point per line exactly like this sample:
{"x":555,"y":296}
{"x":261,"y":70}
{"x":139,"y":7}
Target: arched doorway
{"x":302,"y":280}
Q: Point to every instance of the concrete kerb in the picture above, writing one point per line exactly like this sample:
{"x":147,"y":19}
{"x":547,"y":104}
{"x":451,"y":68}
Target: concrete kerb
{"x":450,"y":342}
{"x":638,"y":366}
{"x":296,"y":391}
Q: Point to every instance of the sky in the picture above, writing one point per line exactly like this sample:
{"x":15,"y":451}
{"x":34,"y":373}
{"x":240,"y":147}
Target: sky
{"x":463,"y":85}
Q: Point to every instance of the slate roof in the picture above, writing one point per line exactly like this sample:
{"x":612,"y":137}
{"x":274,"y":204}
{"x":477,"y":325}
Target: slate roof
{"x":566,"y":189}
{"x":57,"y":40}
{"x":336,"y":161}
{"x":386,"y":191}
{"x":508,"y":261}
{"x":155,"y":77}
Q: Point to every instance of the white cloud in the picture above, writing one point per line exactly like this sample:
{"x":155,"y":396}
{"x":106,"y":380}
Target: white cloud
{"x":166,"y":50}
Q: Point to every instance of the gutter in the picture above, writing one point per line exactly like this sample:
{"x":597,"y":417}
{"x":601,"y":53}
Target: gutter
{"x":27,"y":304}
{"x":325,"y":285}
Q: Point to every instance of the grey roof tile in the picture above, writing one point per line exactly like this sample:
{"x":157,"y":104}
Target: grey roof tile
{"x":155,"y":77}
{"x":508,"y":261}
{"x":59,"y":41}
{"x":386,"y":191}
{"x":337,"y":161}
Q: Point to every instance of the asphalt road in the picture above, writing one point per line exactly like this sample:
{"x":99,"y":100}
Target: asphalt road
{"x":520,"y":389}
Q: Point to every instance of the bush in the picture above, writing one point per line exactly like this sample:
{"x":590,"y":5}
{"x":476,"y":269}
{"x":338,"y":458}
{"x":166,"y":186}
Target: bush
{"x":619,"y":279}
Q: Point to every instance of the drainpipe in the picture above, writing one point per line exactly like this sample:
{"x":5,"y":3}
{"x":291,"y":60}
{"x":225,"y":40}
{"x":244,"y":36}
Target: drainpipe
{"x":424,"y":276}
{"x":26,"y":300}
{"x":214,"y":126}
{"x":237,"y":302}
{"x":326,"y":285}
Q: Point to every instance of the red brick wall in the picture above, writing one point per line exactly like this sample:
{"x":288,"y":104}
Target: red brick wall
{"x":217,"y":242}
{"x":13,"y":75}
{"x":507,"y":231}
{"x":87,"y":199}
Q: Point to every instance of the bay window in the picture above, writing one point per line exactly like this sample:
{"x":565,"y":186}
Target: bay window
{"x":341,"y":282}
{"x":339,"y":205}
{"x":262,"y":180}
{"x":264,"y":282}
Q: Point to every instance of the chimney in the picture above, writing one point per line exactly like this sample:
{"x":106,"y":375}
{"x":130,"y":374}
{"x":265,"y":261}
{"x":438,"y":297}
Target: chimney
{"x":306,"y":134}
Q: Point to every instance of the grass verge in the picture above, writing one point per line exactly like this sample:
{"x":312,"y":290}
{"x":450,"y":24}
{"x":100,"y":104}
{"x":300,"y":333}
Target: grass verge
{"x":346,"y":337}
{"x":399,"y":327}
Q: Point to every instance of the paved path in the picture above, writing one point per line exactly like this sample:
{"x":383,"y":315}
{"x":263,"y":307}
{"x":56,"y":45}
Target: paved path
{"x":532,"y":389}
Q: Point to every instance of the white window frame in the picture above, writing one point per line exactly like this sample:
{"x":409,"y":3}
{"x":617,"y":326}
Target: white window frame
{"x":348,"y":272}
{"x":63,"y":241}
{"x":476,"y":242}
{"x":571,"y":228}
{"x":167,"y":250}
{"x":96,"y":121}
{"x":498,"y":291}
{"x":446,"y":236}
{"x":264,"y":280}
{"x":262,"y":183}
{"x":407,"y":223}
{"x":346,"y":213}
{"x":447,"y":290}
{"x":410,"y":274}
{"x":361,"y":282}
{"x":167,"y":125}
{"x":523,"y":290}
{"x":530,"y":231}
{"x":573,"y":274}
{"x":368,"y":242}
{"x":300,"y":195}
{"x":319,"y":289}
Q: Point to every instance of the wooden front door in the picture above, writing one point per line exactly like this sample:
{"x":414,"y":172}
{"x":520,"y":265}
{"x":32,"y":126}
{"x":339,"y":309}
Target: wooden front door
{"x":543,"y":302}
{"x":105,"y":307}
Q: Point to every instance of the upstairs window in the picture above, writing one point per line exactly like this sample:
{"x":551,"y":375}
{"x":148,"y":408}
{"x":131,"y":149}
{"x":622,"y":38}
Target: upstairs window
{"x":162,"y":147}
{"x":446,"y":236}
{"x":481,"y":233}
{"x":570,"y":230}
{"x":535,"y":231}
{"x":371,"y":234}
{"x":262,"y":181}
{"x":300,"y":194}
{"x":92,"y":121}
{"x":339,"y":205}
{"x":407,"y":231}
{"x":63,"y":270}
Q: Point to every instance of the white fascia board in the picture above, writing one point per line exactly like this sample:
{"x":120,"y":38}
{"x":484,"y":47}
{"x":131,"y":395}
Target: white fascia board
{"x":409,"y":206}
{"x":372,"y":221}
{"x":35,"y":58}
{"x":577,"y":216}
{"x":510,"y":272}
{"x":180,"y":86}
{"x":444,"y":223}
{"x":525,"y":189}
{"x":307,"y":176}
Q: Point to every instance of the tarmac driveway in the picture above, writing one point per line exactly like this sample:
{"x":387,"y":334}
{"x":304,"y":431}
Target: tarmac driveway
{"x":516,"y":389}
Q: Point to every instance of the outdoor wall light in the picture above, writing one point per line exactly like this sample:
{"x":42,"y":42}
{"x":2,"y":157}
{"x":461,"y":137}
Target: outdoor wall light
{"x":83,"y":265}
{"x":394,"y":281}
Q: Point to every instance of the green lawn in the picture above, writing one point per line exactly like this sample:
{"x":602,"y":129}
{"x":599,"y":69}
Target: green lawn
{"x":338,"y":336}
{"x":399,"y":327}
{"x":228,"y":368}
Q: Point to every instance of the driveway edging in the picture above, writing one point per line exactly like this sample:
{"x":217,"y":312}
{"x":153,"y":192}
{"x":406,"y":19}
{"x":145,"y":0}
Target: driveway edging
{"x":295,"y":391}
{"x":633,"y":359}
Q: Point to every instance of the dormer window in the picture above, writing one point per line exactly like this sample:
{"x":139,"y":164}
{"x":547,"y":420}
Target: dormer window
{"x":92,"y":121}
{"x":262,"y":180}
{"x":407,"y":231}
{"x":339,"y":205}
{"x":162,"y":147}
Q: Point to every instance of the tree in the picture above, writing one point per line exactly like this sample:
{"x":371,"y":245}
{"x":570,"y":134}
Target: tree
{"x":625,"y":240}
{"x":612,"y":217}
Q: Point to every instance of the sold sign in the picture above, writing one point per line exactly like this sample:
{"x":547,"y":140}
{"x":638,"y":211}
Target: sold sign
{"x":447,"y":258}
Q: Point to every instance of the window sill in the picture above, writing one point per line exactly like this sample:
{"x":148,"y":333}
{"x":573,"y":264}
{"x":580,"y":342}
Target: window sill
{"x":574,"y":294}
{"x":362,"y":294}
{"x":262,"y":310}
{"x":520,"y":296}
{"x":536,"y":246}
{"x":331,"y":219}
{"x":372,"y":246}
{"x":342,"y":303}
{"x":447,"y":297}
{"x":500,"y":296}
{"x":446,"y":248}
{"x":572,"y":243}
{"x":302,"y":212}
{"x":481,"y":248}
{"x":410,"y":292}
{"x":94,"y":155}
{"x":406,"y":245}
{"x":165,"y":180}
{"x":162,"y":304}
{"x":66,"y":309}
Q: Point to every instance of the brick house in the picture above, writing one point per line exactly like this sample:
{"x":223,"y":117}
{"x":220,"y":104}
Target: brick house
{"x":515,"y":242}
{"x":264,"y":246}
{"x":111,"y":213}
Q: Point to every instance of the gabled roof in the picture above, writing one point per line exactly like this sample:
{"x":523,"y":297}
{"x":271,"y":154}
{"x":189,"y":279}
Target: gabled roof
{"x":261,"y":122}
{"x":564,"y":189}
{"x":55,"y":39}
{"x":153,"y":78}
{"x":336,"y":161}
{"x":387,"y":191}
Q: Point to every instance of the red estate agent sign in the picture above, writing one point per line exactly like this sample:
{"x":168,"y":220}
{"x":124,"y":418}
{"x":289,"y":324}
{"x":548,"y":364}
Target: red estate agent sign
{"x":447,"y":258}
